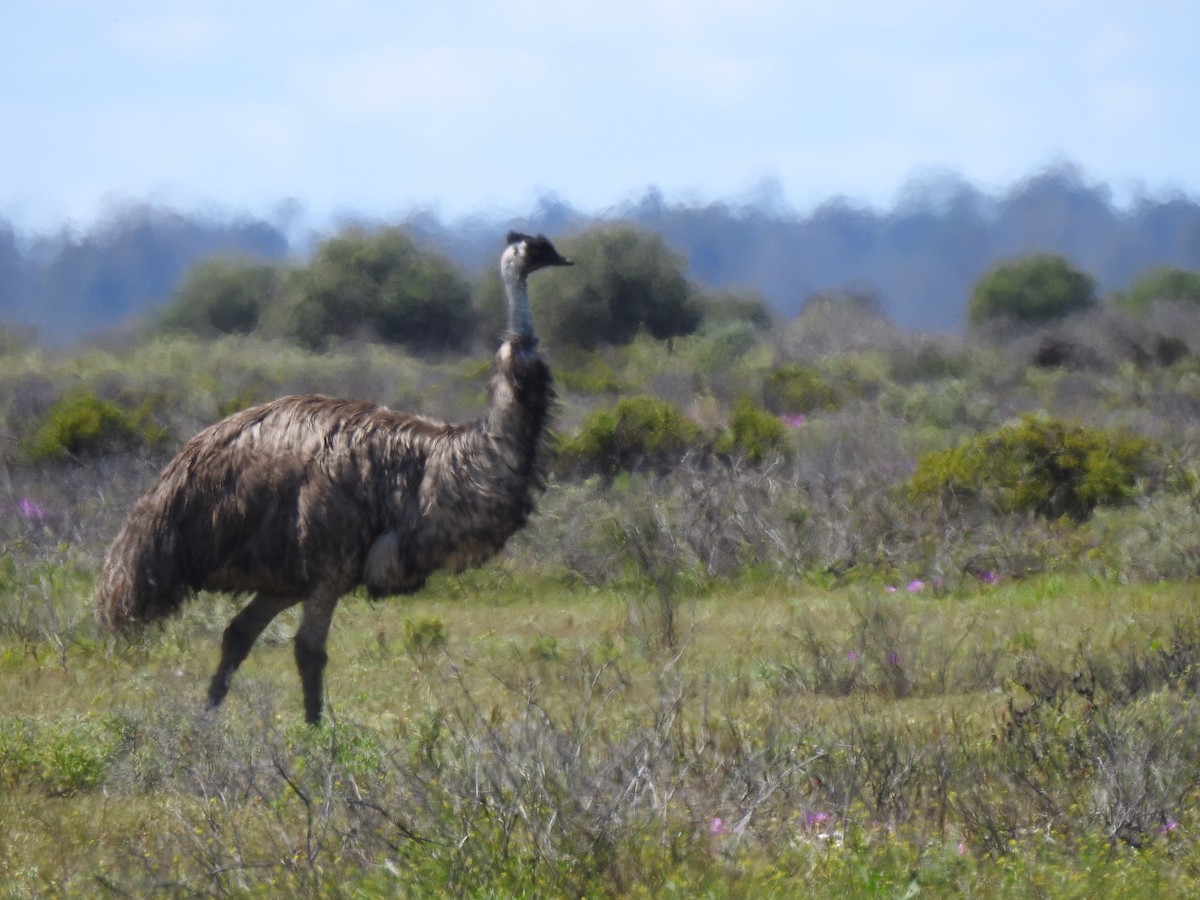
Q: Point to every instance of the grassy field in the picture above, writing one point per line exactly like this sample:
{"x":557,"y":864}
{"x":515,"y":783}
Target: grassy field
{"x":500,"y":736}
{"x":779,"y":679}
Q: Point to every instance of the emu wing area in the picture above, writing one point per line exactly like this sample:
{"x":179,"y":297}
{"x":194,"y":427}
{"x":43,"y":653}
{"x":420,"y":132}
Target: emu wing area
{"x":284,"y":497}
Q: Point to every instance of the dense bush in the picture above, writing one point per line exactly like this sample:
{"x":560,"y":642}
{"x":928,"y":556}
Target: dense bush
{"x":928,"y":360}
{"x":752,"y":434}
{"x":85,"y":425}
{"x":1038,"y":464}
{"x":1033,"y":290}
{"x":222,"y":297}
{"x":624,"y":281}
{"x":836,"y":324}
{"x":1161,"y":284}
{"x":793,"y":387}
{"x":380,"y":286}
{"x":639,"y":432}
{"x":586,"y":372}
{"x":751,"y":309}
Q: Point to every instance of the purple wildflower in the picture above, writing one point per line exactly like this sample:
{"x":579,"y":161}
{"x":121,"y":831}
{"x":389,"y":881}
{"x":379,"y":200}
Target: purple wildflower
{"x":892,"y":658}
{"x":813,"y":819}
{"x":891,"y":589}
{"x":1170,"y":826}
{"x":716,"y":826}
{"x":853,"y":656}
{"x":916,"y":585}
{"x":988,"y":577}
{"x":31,"y":510}
{"x":793,"y":420}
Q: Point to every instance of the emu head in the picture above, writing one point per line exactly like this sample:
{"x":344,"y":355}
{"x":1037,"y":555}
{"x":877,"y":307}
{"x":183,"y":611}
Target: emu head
{"x":528,"y":253}
{"x":524,"y":254}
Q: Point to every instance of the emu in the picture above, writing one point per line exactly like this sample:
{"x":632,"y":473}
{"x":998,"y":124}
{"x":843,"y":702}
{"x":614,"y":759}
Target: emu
{"x":304,"y":498}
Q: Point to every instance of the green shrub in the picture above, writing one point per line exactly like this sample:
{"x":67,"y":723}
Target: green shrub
{"x":222,"y":297}
{"x":723,"y":345}
{"x":83,"y":424}
{"x":928,"y":362}
{"x":722,"y":308}
{"x":943,"y":404}
{"x":1038,"y":464}
{"x":797,"y":388}
{"x":1033,"y":290}
{"x":586,"y":372}
{"x":545,"y":648}
{"x":752,"y":434}
{"x":424,"y":635}
{"x":1164,"y":283}
{"x":625,"y":281}
{"x":381,"y":286}
{"x":58,"y":758}
{"x":639,"y":432}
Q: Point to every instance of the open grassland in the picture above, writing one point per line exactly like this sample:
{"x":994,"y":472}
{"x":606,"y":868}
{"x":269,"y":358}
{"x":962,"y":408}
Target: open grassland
{"x":719,"y":677}
{"x":501,"y":735}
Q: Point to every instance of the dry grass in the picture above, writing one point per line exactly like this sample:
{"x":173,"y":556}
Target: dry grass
{"x":551,"y":743}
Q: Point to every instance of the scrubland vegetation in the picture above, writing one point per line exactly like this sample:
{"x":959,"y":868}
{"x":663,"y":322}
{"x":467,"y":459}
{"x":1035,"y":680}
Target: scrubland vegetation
{"x":820,"y":608}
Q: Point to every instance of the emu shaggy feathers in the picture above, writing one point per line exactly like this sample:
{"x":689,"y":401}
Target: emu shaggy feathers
{"x":302,"y":499}
{"x":304,"y":491}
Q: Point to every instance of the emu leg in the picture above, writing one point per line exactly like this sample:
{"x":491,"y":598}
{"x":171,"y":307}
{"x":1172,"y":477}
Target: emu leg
{"x":310,"y":652}
{"x":241,"y":633}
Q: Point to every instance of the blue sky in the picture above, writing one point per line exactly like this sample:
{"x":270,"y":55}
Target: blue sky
{"x":378,"y":108}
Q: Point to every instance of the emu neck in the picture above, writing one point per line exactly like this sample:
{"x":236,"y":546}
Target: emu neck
{"x":520,"y":320}
{"x":520,"y":391}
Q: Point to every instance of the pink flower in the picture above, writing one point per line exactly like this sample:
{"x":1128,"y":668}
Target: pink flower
{"x":1170,"y":826}
{"x":716,"y":826}
{"x":31,"y":510}
{"x":891,"y":589}
{"x":813,"y":819}
{"x":914,"y":586}
{"x":793,"y":420}
{"x":962,"y":848}
{"x":853,"y":656}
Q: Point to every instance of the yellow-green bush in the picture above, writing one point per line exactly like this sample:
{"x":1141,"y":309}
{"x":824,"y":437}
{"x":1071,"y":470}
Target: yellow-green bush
{"x":83,"y":424}
{"x":1039,"y":464}
{"x":797,"y":388}
{"x":752,"y":433}
{"x":639,"y":432}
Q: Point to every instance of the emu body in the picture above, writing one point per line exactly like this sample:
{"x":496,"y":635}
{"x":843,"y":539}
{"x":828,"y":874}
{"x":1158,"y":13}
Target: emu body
{"x":302,"y":499}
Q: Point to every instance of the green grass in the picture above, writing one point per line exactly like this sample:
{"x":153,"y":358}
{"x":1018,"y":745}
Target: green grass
{"x":798,"y":741}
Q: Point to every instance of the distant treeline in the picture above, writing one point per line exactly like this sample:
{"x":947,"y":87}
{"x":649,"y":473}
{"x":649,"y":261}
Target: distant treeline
{"x":920,"y":259}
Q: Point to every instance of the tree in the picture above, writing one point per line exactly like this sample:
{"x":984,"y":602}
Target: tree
{"x":222,"y":296}
{"x":724,"y":307}
{"x":624,"y":281}
{"x":1033,"y":290}
{"x":1164,"y":283}
{"x":380,"y":286}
